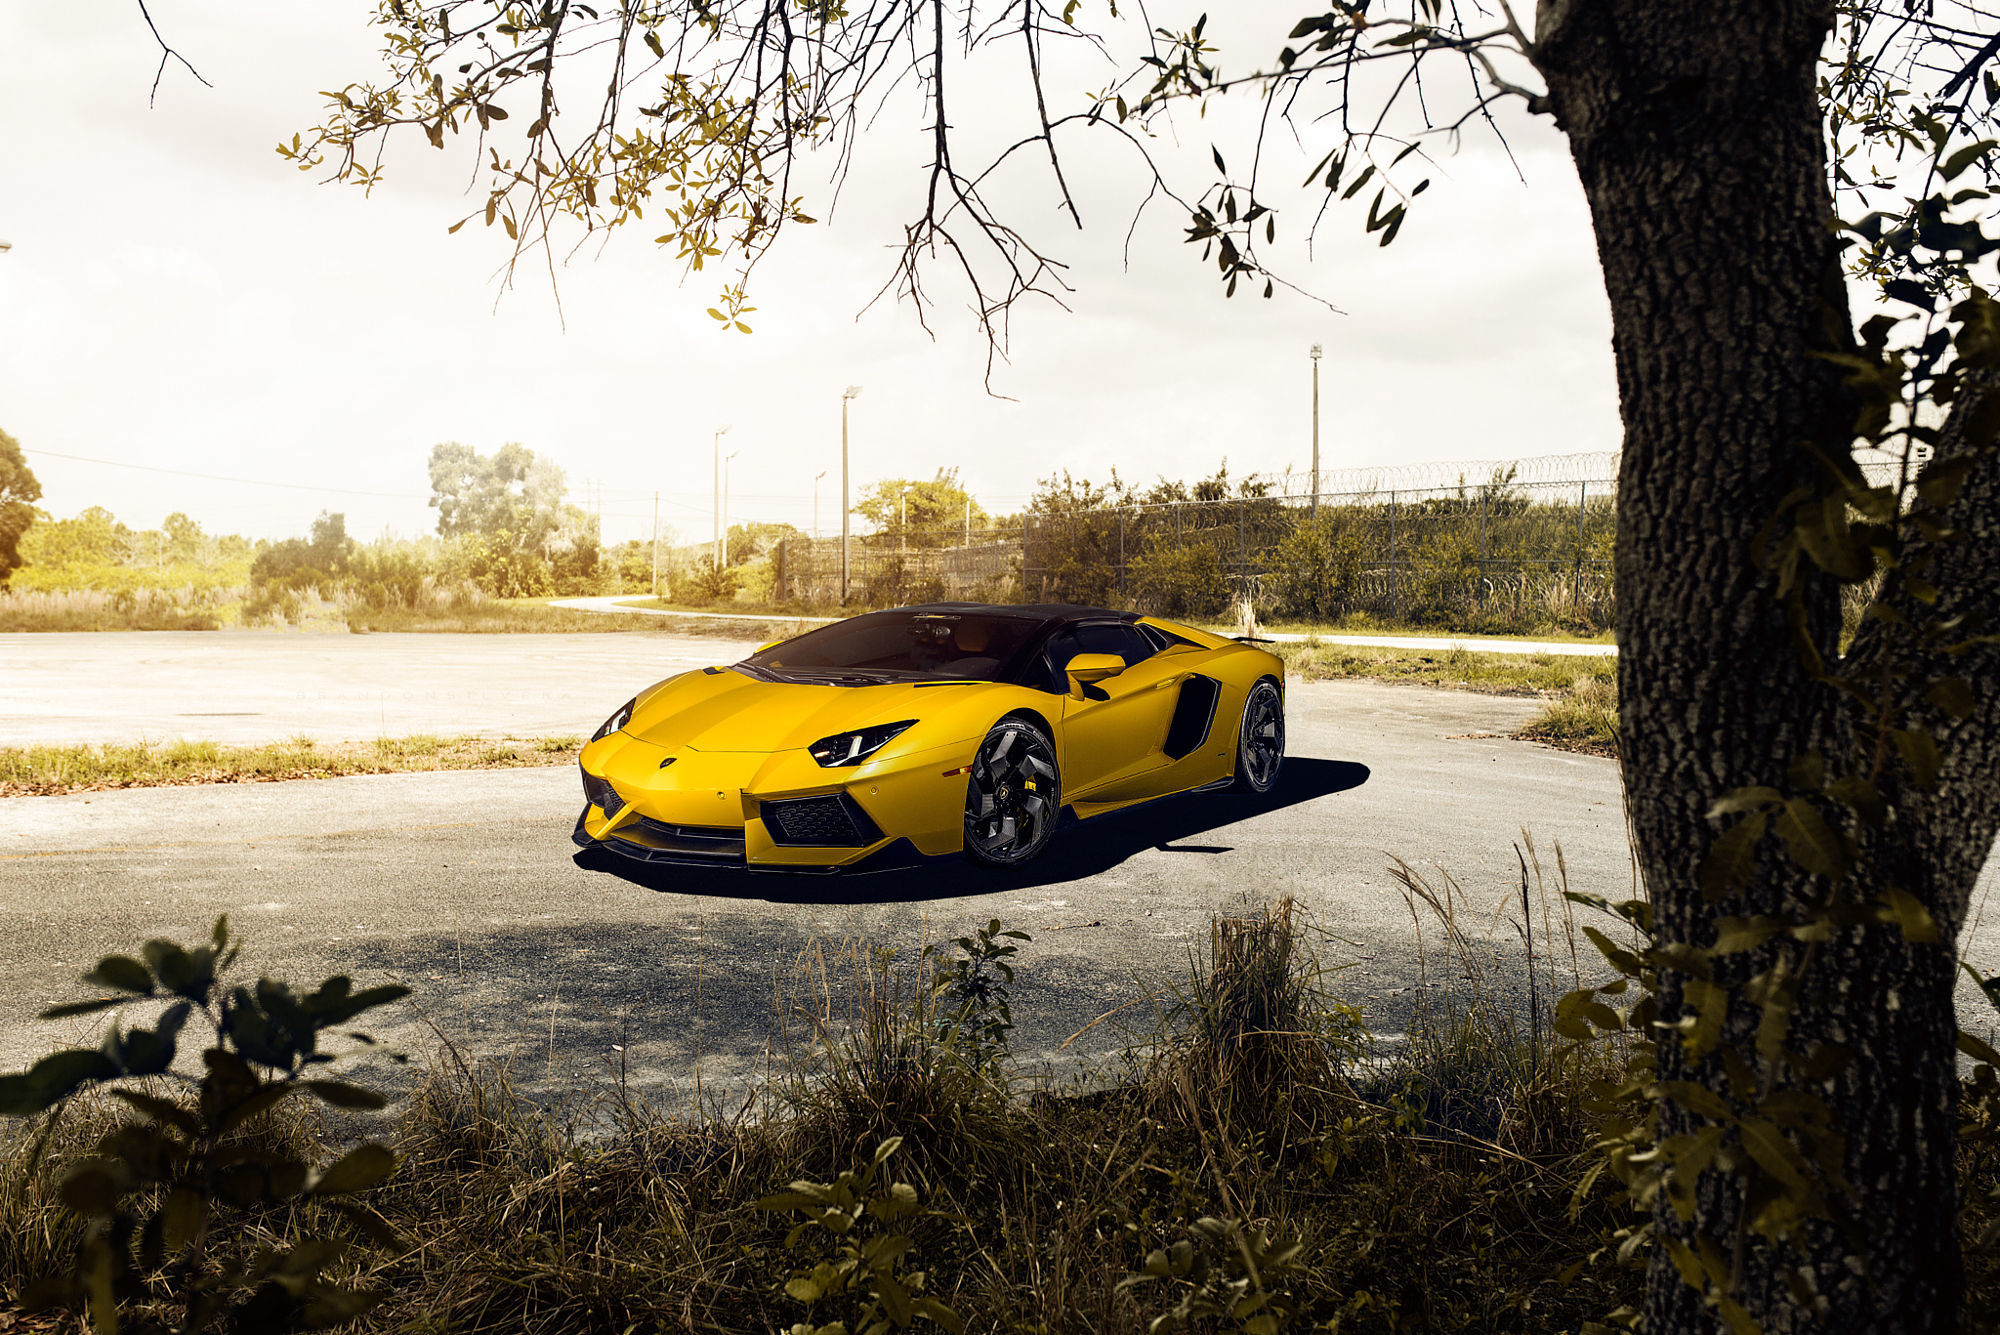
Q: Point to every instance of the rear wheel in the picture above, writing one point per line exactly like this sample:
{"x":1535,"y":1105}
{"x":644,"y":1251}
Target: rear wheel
{"x":1013,"y":795}
{"x":1260,"y":742}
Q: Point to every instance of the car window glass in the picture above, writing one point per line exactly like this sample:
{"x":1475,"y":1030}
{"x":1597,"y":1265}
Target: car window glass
{"x":966,"y":645}
{"x":1121,"y":639}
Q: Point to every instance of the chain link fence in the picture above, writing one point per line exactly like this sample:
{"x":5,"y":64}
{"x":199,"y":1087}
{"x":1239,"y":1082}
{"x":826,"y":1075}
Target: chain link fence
{"x":1519,"y":545}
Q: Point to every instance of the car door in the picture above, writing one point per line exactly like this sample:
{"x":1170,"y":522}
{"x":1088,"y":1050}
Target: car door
{"x":1115,"y":732}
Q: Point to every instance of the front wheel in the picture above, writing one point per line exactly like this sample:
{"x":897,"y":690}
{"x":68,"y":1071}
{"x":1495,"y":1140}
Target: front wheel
{"x":1013,"y":795}
{"x":1260,"y":742}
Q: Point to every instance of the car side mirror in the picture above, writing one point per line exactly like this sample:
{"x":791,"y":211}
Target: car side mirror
{"x":1087,"y":668}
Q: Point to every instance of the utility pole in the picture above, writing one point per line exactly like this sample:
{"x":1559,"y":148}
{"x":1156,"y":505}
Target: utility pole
{"x":845,"y":395}
{"x":720,"y":432}
{"x":816,"y":477}
{"x":656,"y":544}
{"x":968,"y":520}
{"x":725,"y":504}
{"x":903,"y":520}
{"x":1315,"y":359}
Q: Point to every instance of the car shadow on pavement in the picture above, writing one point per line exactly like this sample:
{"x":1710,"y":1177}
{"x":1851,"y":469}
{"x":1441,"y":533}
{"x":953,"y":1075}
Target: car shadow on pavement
{"x":1080,"y":849}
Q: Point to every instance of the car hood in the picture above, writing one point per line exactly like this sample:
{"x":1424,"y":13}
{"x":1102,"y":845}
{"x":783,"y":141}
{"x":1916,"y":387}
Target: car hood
{"x":728,"y":711}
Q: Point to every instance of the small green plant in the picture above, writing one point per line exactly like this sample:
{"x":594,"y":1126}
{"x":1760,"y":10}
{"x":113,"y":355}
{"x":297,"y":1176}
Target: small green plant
{"x":866,"y":1285}
{"x":167,"y":1188}
{"x":971,"y":992}
{"x":1223,"y":1273}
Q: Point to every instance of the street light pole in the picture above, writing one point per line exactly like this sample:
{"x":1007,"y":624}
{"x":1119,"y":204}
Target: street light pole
{"x":656,"y":544}
{"x":845,"y":395}
{"x":816,"y":477}
{"x":1315,"y":359}
{"x":903,"y":520}
{"x":716,"y":555}
{"x":725,"y":503}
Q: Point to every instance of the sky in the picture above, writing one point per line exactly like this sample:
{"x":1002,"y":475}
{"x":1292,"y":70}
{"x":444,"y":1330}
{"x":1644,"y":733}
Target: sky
{"x":178,"y":297}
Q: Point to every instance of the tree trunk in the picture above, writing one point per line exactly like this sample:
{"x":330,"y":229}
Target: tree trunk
{"x":1696,"y":131}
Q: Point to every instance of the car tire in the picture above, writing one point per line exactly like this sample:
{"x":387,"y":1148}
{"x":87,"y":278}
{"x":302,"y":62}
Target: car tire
{"x":1013,"y":795}
{"x":1260,"y":739}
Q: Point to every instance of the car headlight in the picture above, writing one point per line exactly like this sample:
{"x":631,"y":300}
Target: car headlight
{"x":851,"y":748}
{"x":616,"y":721}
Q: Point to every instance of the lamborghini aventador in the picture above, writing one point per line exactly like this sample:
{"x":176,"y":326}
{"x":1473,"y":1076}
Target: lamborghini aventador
{"x":927,"y":731}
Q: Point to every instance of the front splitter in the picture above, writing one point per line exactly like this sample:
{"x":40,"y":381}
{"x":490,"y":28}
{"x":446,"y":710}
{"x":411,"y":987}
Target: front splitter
{"x":898,"y":855}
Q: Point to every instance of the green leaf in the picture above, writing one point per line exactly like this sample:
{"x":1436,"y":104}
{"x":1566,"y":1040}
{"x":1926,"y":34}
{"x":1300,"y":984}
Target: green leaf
{"x":339,"y":1094}
{"x":94,"y":1186}
{"x":122,"y":972}
{"x":63,"y":1012}
{"x":1955,"y":165}
{"x":1908,"y":913}
{"x":1699,"y":1100}
{"x":357,"y":1170}
{"x":1812,"y":843}
{"x":1743,"y":799}
{"x":1920,"y":752}
{"x":1711,"y":1007}
{"x":1978,"y":1050}
{"x":1953,"y":695}
{"x":1729,"y":861}
{"x":1733,"y":936}
{"x":51,"y":1080}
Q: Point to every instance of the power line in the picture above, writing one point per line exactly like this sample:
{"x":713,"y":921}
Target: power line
{"x":218,"y":477}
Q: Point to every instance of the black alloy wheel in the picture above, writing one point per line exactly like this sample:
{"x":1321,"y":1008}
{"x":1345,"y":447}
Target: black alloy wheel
{"x":1013,"y":795}
{"x":1260,"y":743}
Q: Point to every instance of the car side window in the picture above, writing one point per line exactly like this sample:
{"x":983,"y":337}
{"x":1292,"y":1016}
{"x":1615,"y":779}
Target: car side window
{"x":1123,"y":640}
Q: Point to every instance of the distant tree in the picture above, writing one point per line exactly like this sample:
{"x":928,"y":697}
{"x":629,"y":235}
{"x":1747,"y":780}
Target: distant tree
{"x":747,"y":542}
{"x":19,"y":491}
{"x":324,"y":556}
{"x":510,"y":492}
{"x":185,"y":540}
{"x":932,"y":513}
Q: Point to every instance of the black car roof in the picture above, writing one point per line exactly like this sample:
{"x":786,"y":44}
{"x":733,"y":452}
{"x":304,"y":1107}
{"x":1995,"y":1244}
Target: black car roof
{"x":1063,"y":612}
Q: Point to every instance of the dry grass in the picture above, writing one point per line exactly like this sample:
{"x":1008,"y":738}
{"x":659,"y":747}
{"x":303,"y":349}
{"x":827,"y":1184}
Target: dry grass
{"x":490,"y":616}
{"x":93,"y":609}
{"x":1584,"y":718}
{"x":1464,"y":669}
{"x":1433,"y":1183}
{"x":39,"y":771}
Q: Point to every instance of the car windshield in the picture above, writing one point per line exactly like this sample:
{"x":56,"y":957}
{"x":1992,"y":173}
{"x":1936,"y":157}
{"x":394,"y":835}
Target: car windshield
{"x":898,"y":646}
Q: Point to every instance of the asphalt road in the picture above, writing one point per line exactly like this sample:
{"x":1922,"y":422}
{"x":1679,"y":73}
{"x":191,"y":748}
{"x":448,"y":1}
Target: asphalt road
{"x":266,"y":686}
{"x":465,"y":885}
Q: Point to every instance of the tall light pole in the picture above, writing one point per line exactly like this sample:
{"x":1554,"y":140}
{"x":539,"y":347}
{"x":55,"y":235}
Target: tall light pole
{"x":816,"y":477}
{"x":845,"y":396}
{"x":656,"y":544}
{"x":1315,"y":357}
{"x":725,"y":503}
{"x":903,"y":519}
{"x":720,"y":432}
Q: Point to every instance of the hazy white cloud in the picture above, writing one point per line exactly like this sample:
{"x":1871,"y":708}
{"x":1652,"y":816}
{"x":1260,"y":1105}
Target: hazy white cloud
{"x":178,"y":296}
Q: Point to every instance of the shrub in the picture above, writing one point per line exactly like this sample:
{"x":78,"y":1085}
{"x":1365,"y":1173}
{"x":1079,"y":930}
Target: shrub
{"x":165,"y":1192}
{"x":1316,"y":568}
{"x":706,"y":585}
{"x":1174,"y":580}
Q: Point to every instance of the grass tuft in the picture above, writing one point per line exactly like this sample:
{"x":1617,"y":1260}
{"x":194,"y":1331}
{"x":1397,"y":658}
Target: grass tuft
{"x":40,"y":771}
{"x":1584,"y":718}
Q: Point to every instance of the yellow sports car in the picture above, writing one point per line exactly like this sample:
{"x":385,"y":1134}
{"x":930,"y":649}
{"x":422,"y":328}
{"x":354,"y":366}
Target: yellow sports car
{"x":927,"y":731}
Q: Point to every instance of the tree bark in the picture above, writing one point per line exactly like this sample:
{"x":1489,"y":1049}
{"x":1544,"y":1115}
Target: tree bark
{"x":1696,"y":131}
